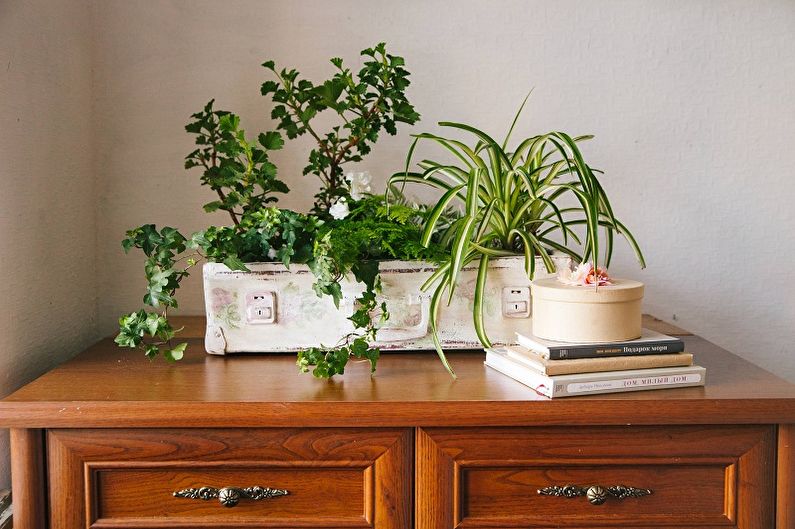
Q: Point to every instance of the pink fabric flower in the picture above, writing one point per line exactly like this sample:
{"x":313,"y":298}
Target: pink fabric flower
{"x":584,"y":275}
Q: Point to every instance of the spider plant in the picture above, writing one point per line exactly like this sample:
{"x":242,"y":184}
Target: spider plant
{"x":510,"y":203}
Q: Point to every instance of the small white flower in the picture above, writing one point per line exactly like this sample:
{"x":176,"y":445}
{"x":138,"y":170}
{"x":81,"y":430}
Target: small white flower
{"x":339,"y":210}
{"x":272,"y":253}
{"x":359,"y":184}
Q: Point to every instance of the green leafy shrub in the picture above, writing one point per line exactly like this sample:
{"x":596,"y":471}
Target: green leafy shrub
{"x":365,"y":103}
{"x":235,"y":168}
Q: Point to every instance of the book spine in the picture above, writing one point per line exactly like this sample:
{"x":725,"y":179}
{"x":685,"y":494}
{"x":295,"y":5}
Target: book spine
{"x":596,"y":383}
{"x":692,"y":377}
{"x":598,"y":351}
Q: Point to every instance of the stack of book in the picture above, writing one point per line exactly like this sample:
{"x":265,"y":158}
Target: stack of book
{"x":554,"y":369}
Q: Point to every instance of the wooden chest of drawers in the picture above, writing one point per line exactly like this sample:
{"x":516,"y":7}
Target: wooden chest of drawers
{"x":111,"y":441}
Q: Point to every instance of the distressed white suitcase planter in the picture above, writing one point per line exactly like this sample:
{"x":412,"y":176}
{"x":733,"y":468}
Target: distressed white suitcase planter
{"x":272,"y":309}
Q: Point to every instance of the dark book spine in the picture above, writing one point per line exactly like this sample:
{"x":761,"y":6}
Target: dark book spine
{"x":598,"y":351}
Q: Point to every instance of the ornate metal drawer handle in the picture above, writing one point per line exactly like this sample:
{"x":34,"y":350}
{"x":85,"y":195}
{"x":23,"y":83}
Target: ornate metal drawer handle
{"x":596,"y":494}
{"x":230,"y":496}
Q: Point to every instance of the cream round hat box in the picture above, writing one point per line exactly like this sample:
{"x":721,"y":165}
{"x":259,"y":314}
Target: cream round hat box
{"x":585,"y":313}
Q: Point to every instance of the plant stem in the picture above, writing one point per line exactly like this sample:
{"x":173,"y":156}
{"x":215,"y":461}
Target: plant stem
{"x":221,"y":195}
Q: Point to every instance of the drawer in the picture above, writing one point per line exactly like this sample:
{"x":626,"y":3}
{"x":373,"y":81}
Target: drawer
{"x":230,"y":478}
{"x":679,"y":476}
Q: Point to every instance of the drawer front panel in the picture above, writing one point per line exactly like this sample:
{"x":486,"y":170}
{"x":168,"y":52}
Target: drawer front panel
{"x":686,"y":491}
{"x":332,"y":478}
{"x":707,"y":476}
{"x":131,"y":493}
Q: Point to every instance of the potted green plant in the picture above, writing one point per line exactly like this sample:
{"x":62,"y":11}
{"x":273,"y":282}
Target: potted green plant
{"x":372,"y":255}
{"x":510,"y":200}
{"x":329,"y":244}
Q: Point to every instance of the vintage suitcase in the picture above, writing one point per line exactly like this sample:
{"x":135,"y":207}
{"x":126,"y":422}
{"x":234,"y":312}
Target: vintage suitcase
{"x":272,"y":309}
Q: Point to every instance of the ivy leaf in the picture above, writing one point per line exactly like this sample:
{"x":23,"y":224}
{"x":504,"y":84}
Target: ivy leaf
{"x":197,"y":240}
{"x":159,"y":279}
{"x":360,"y":318}
{"x":151,"y":351}
{"x":234,"y":263}
{"x":157,"y":299}
{"x":175,"y":353}
{"x":152,"y":324}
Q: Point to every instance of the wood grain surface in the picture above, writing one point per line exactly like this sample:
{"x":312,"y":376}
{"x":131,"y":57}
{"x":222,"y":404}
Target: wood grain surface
{"x":785,"y":497}
{"x":110,"y":387}
{"x":699,"y":476}
{"x":126,"y":478}
{"x":118,"y":425}
{"x":28,"y":483}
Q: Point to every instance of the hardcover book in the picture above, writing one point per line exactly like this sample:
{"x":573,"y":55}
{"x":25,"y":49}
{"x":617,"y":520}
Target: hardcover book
{"x":537,"y":361}
{"x":595,"y":383}
{"x":649,"y":343}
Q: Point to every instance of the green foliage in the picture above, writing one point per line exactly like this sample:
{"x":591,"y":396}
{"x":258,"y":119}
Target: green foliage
{"x":510,"y":206}
{"x":329,"y":270}
{"x":170,"y":256}
{"x":161,"y":249}
{"x":165,"y":269}
{"x":237,"y":169}
{"x":265,"y":235}
{"x":353,"y":246}
{"x":134,"y":327}
{"x":495,"y":202}
{"x":329,"y":362}
{"x":365,"y":103}
{"x":333,"y":250}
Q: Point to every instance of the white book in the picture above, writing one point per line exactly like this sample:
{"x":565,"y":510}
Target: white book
{"x":594,"y":383}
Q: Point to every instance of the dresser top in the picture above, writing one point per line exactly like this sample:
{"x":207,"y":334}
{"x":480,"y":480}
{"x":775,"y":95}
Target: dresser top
{"x":106,"y":386}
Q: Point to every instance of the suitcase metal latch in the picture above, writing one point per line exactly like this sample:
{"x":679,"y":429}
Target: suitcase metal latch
{"x":516,"y":302}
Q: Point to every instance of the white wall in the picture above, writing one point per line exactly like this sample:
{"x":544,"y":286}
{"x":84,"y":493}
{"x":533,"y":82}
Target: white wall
{"x":47,"y":215}
{"x":691,"y":103}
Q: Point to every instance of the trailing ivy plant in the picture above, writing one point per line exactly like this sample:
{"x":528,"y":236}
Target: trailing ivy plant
{"x":511,"y":203}
{"x":365,"y":103}
{"x":354,"y":245}
{"x":163,"y":275}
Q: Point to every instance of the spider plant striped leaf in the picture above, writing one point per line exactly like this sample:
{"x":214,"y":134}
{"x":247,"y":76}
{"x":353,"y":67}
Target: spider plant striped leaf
{"x":509,"y":204}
